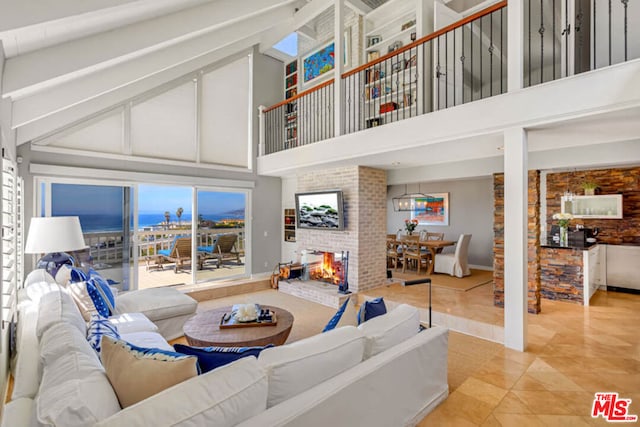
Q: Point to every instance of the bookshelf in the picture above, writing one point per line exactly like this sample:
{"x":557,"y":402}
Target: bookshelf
{"x":289,"y":225}
{"x":391,"y":88}
{"x":291,"y":110}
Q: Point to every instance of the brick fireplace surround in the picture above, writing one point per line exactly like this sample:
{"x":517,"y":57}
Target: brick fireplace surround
{"x":365,"y":203}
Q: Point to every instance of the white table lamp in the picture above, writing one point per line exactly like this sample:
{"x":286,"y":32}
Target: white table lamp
{"x":53,"y":236}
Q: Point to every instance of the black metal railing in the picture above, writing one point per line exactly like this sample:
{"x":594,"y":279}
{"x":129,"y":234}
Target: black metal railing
{"x":384,"y":91}
{"x":566,"y":37}
{"x":463,"y":62}
{"x":303,"y":119}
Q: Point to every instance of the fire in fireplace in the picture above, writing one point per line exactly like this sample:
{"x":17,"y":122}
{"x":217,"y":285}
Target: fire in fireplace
{"x":327,"y":267}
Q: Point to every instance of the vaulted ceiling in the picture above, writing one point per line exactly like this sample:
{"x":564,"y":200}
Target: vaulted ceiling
{"x":67,"y":60}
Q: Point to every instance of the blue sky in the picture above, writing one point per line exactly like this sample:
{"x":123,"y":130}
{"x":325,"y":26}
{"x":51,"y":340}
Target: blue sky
{"x":288,"y":45}
{"x":69,"y":199}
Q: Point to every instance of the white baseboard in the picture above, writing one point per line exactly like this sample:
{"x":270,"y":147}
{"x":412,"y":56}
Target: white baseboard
{"x":480,"y":267}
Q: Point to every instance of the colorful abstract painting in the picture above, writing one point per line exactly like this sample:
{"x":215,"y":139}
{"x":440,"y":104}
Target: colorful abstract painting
{"x":432,"y":210}
{"x":319,"y":62}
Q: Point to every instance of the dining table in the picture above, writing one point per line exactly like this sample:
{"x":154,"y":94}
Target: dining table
{"x":431,"y":245}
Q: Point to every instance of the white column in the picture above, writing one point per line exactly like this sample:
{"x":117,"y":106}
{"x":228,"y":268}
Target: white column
{"x":515,"y":238}
{"x":515,"y":45}
{"x":338,"y":99}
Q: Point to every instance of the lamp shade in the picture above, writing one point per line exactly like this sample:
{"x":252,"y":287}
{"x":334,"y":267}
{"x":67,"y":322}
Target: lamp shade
{"x":54,"y":234}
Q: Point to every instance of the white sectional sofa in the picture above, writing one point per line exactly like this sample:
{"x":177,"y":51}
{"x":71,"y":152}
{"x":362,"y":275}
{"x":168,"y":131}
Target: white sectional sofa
{"x":383,"y":373}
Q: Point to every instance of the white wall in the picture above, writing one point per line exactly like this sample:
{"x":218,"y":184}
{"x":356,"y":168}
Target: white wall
{"x":471,"y":212}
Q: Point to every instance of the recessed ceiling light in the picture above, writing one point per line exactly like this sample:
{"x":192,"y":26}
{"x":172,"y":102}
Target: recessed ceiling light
{"x":500,"y":148}
{"x":395,"y":164}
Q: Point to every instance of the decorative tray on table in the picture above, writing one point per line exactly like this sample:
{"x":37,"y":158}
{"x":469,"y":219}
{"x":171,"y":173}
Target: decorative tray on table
{"x":239,"y":318}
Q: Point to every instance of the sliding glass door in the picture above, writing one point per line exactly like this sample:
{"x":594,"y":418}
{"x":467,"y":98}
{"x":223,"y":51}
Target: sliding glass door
{"x":142,"y":235}
{"x":221,"y":234}
{"x":106,"y":218}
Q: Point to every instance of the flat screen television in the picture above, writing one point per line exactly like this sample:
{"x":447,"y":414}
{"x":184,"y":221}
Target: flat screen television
{"x":320,"y":210}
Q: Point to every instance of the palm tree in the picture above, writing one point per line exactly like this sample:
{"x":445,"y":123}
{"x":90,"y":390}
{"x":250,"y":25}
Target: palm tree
{"x":179,"y":214}
{"x":167,"y":217}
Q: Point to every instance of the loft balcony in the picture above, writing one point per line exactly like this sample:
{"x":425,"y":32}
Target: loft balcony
{"x":463,"y":63}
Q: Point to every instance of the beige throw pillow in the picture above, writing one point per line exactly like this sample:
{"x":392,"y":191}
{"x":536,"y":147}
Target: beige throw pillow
{"x":136,"y":373}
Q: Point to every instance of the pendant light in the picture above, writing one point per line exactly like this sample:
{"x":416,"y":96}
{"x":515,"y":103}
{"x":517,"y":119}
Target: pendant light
{"x":406,"y":202}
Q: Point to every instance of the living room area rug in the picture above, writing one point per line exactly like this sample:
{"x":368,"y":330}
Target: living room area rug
{"x":477,"y":278}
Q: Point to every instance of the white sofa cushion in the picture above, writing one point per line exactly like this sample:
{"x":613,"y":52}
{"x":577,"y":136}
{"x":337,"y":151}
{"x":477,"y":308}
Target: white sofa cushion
{"x":57,"y":307}
{"x":78,"y":402}
{"x":19,"y":412}
{"x":59,"y":341}
{"x":383,"y":332}
{"x":223,"y":397}
{"x":28,"y":370}
{"x":296,"y":367}
{"x":69,"y":366}
{"x":38,"y":275}
{"x":156,"y":303}
{"x":147,"y":340}
{"x":133,"y":322}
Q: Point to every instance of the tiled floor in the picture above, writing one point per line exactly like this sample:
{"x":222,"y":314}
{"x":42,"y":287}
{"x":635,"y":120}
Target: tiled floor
{"x":573,"y":352}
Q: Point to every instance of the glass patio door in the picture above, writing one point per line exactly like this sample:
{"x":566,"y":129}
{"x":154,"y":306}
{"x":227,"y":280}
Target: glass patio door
{"x":221,"y":234}
{"x":106,"y":218}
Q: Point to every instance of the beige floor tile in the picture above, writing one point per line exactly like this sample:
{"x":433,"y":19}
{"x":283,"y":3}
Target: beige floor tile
{"x":519,"y":420}
{"x":529,"y":383}
{"x":483,"y":391}
{"x":511,"y":404}
{"x":554,"y":381}
{"x":463,"y":406}
{"x":441,"y":418}
{"x":563,"y":421}
{"x":491,"y":421}
{"x":544,"y":402}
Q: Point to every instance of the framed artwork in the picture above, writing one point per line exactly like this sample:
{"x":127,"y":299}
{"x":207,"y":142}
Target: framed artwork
{"x":432,"y":210}
{"x":321,"y":60}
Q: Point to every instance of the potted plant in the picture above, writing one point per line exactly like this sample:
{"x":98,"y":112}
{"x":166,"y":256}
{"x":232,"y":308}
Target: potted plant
{"x":589,"y":188}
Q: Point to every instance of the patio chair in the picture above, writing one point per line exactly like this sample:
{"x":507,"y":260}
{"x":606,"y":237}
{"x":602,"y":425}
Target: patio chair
{"x":222,"y":250}
{"x":179,"y":253}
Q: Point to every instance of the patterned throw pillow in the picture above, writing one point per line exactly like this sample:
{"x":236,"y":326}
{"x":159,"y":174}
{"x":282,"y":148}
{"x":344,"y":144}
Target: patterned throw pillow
{"x":210,"y":358}
{"x":346,"y":315}
{"x":137,"y":373}
{"x":102,"y":285}
{"x":96,"y":296}
{"x":371,"y":309}
{"x":98,"y":327}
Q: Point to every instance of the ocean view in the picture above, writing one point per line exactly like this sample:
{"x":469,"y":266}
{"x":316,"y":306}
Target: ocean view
{"x":92,"y":223}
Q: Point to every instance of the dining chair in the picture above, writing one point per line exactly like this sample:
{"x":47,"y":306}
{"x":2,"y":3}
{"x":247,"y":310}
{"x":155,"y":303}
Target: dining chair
{"x":393,"y":254}
{"x":455,"y":264}
{"x":412,"y":252}
{"x":435,"y":236}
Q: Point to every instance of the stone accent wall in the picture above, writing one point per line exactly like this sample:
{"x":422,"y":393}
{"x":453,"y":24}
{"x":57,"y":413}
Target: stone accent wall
{"x":533,"y":239}
{"x":562,"y":274}
{"x":625,"y":181}
{"x":364,"y":192}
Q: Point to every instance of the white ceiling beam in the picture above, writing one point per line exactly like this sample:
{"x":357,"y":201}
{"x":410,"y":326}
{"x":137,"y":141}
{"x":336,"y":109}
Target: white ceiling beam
{"x":16,"y":14}
{"x":308,"y":32}
{"x":358,"y":6}
{"x":301,"y":18}
{"x":44,"y":68}
{"x":28,"y":38}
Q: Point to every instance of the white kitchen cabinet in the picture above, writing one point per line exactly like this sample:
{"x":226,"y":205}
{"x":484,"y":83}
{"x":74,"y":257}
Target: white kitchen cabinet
{"x":606,"y":206}
{"x":623,"y":266}
{"x":593,"y":271}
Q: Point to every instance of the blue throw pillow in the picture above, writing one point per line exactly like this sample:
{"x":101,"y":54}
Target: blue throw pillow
{"x":98,"y":327}
{"x":210,"y":358}
{"x":96,"y":296}
{"x":371,"y":309}
{"x":77,"y":275}
{"x":336,"y":317}
{"x":105,"y":291}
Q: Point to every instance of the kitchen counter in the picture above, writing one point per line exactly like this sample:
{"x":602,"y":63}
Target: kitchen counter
{"x":584,"y":247}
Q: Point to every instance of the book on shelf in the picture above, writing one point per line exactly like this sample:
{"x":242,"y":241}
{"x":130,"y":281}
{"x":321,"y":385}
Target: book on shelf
{"x":373,"y":55}
{"x":406,"y":100}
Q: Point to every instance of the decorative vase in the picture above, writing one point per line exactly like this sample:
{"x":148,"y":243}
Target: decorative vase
{"x":589,"y":191}
{"x":564,"y":236}
{"x":410,"y":232}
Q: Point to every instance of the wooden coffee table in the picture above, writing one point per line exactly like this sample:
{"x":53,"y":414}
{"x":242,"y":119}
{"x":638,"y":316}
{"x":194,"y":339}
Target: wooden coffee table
{"x":203,"y":330}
